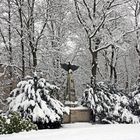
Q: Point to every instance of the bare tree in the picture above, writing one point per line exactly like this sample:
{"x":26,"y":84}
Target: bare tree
{"x":19,"y":5}
{"x":134,"y":11}
{"x":137,"y":45}
{"x":97,"y":13}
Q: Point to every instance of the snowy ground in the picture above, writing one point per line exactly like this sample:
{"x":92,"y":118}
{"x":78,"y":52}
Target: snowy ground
{"x":81,"y":131}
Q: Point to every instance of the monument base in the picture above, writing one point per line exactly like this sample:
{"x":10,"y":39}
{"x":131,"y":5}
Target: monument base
{"x":78,"y":114}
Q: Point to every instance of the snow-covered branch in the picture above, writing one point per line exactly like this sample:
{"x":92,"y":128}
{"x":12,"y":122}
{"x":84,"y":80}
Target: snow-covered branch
{"x":88,"y":9}
{"x":97,"y":29}
{"x":80,"y":18}
{"x":4,"y":71}
{"x":102,"y":48}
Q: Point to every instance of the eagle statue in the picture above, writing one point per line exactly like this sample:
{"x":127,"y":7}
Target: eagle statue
{"x":69,"y":66}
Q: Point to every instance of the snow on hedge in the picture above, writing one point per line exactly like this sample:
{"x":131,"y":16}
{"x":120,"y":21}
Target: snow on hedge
{"x":135,"y":97}
{"x":32,"y":100}
{"x":109,"y":105}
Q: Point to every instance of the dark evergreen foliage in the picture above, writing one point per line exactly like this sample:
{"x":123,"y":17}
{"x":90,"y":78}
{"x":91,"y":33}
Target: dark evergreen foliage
{"x":14,"y":123}
{"x":33,"y":100}
{"x":109,"y":105}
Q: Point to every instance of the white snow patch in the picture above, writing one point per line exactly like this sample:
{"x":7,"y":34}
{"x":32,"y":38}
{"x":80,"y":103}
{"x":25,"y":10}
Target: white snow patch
{"x":81,"y":131}
{"x":79,"y":108}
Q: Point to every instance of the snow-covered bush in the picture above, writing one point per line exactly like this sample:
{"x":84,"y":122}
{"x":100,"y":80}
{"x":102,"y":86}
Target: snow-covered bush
{"x":135,"y":100}
{"x":14,"y":123}
{"x":108,"y":104}
{"x":32,"y":100}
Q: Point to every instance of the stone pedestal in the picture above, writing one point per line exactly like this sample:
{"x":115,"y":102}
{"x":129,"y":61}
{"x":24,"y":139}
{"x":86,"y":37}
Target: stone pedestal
{"x":70,"y":95}
{"x":78,"y":114}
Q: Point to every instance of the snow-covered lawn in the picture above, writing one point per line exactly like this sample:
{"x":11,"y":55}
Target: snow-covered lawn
{"x":81,"y":131}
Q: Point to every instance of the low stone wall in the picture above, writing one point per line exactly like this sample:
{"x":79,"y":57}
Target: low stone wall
{"x":78,"y":114}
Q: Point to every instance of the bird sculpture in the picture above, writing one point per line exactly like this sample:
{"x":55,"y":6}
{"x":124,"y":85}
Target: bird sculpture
{"x":69,"y":67}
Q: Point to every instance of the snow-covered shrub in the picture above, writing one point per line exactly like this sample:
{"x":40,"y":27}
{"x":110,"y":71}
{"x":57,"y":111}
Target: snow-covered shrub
{"x":108,"y":104}
{"x":32,"y":100}
{"x":14,"y":123}
{"x":135,"y":100}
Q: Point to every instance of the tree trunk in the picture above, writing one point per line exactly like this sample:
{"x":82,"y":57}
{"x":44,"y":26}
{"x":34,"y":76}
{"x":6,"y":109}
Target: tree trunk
{"x":21,"y":38}
{"x":94,"y":60}
{"x":137,"y":47}
{"x":94,"y":8}
{"x":94,"y":65}
{"x":106,"y":65}
{"x":111,"y":64}
{"x":115,"y":75}
{"x":113,"y":72}
{"x":30,"y":28}
{"x":34,"y":58}
{"x":127,"y":75}
{"x":9,"y":34}
{"x":9,"y":42}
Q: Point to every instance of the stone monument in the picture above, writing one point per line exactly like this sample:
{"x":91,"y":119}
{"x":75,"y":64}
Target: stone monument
{"x":70,"y":94}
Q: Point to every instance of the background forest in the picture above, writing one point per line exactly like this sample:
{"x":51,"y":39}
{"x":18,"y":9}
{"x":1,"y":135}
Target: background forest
{"x":100,"y":36}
